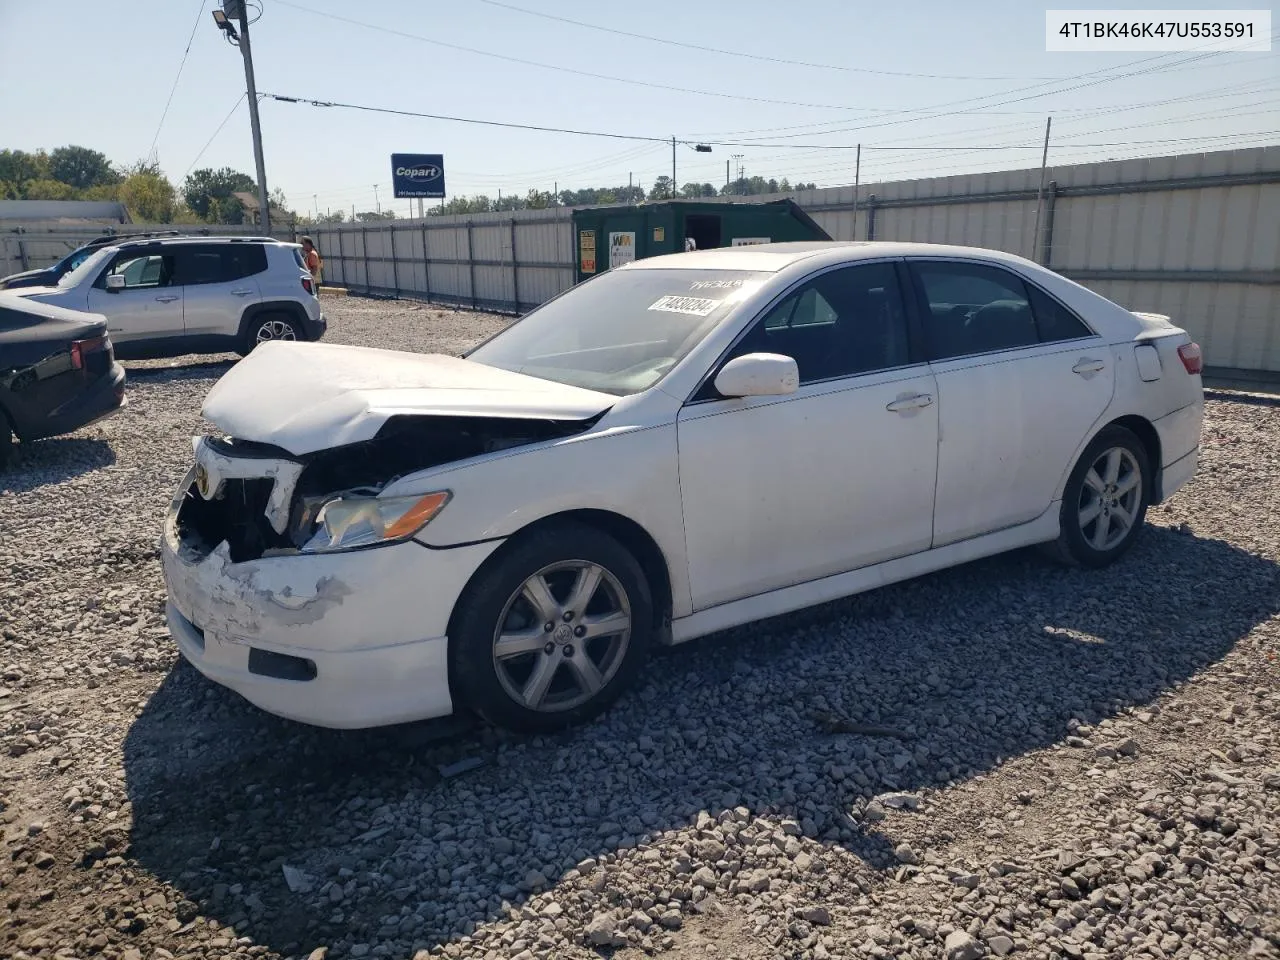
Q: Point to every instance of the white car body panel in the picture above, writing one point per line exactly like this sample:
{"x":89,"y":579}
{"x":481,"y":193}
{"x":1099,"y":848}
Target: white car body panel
{"x":1009,"y":422}
{"x":755,"y":475}
{"x":758,"y":506}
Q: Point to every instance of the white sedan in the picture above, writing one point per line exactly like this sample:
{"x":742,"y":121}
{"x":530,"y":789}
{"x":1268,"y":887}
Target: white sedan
{"x":680,"y":445}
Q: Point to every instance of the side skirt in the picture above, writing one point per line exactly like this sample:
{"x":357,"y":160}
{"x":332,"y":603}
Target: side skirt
{"x":802,"y":595}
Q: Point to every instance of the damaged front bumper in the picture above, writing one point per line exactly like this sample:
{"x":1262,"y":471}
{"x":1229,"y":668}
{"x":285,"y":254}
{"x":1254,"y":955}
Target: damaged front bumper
{"x":344,"y":640}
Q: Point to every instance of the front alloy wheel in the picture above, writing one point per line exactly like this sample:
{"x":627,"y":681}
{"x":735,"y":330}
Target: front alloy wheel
{"x":551,"y":631}
{"x":562,"y":636}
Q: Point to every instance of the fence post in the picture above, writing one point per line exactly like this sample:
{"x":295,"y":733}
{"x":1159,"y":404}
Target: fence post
{"x":364,"y":256}
{"x":515,"y":272}
{"x":342,"y":253}
{"x":426,"y":264}
{"x":395,"y":270}
{"x":22,"y":251}
{"x":471,"y":262}
{"x":871,"y":217}
{"x":1046,"y":243}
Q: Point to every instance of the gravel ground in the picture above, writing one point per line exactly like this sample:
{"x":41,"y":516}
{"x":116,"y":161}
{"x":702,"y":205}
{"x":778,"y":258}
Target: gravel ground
{"x":1046,"y":763}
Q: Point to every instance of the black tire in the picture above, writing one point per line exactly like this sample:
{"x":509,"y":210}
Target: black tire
{"x":6,"y":440}
{"x":483,"y":684}
{"x":1091,"y":544}
{"x":278,"y":323}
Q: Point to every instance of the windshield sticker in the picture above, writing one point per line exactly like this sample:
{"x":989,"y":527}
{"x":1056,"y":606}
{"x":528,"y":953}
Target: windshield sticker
{"x":715,"y":284}
{"x":696,"y":306}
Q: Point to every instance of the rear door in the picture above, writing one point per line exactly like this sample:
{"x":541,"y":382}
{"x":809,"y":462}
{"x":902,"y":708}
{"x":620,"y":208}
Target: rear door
{"x":150,"y":305}
{"x":1021,"y":382}
{"x":218,"y":281}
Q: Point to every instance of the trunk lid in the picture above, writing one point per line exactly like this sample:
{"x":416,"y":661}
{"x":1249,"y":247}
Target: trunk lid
{"x":305,"y":397}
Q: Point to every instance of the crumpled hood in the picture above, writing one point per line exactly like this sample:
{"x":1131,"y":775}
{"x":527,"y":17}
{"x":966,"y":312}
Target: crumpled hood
{"x":304,"y":397}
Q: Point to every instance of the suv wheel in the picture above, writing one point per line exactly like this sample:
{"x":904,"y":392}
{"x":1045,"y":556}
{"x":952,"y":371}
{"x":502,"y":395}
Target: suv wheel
{"x":267,"y":327}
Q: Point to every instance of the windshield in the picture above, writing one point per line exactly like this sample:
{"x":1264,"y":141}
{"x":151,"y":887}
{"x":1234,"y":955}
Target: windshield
{"x":622,"y":331}
{"x":73,"y":259}
{"x":87,"y":266}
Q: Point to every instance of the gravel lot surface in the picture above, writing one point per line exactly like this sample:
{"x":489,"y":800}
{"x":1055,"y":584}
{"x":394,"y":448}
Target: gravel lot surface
{"x":1048,"y":763}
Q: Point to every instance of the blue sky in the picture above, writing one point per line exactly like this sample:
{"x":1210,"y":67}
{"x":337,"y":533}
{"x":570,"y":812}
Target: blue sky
{"x":104,"y":74}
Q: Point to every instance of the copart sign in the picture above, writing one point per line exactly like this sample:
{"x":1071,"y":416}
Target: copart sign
{"x":417,"y":174}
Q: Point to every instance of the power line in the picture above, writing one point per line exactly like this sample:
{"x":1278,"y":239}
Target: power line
{"x":160,"y":125}
{"x":747,"y":56}
{"x":705,"y":93}
{"x":473,"y":120}
{"x":239,"y":100}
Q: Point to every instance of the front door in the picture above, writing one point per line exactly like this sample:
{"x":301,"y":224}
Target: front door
{"x":150,"y":305}
{"x":1021,"y":382}
{"x":839,"y":475}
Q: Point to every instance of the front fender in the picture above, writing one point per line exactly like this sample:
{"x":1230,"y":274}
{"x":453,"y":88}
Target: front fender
{"x":629,"y":471}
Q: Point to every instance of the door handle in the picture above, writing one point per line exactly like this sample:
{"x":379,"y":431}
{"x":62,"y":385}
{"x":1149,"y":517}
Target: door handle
{"x":166,"y":299}
{"x":907,"y":404}
{"x":1088,"y":367}
{"x":241,"y":293}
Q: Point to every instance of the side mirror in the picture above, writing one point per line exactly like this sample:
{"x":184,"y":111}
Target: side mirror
{"x":758,"y":375}
{"x":115,"y":283}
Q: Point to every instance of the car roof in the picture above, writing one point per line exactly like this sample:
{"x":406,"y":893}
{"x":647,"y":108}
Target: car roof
{"x":773,"y":257}
{"x":185,"y":239}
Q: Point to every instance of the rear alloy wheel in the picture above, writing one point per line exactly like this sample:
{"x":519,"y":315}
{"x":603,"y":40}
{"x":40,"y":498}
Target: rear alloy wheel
{"x":272,"y":326}
{"x":552,"y":633}
{"x":1105,"y":500}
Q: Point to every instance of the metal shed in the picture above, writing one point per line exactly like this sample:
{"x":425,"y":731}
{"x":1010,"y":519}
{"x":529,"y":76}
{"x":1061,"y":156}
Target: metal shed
{"x":607,"y":237}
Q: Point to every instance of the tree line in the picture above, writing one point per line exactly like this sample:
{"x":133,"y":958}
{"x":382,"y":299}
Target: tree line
{"x":207,"y":195}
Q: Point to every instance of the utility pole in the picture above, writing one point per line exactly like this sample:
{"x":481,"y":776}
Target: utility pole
{"x":726,"y":176}
{"x":857,"y":175}
{"x":1044,"y":160}
{"x":315,"y":198}
{"x":376,"y":202}
{"x":222,"y":17}
{"x":738,"y":158}
{"x":630,"y":189}
{"x":673,"y":168}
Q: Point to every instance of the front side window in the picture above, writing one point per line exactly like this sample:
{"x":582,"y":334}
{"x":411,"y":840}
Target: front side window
{"x":141,"y":271}
{"x":620,"y":332}
{"x":842,"y":323}
{"x":973,"y":308}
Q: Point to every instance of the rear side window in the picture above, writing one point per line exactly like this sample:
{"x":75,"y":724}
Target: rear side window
{"x":244,"y":259}
{"x":219,"y":263}
{"x":972,"y":308}
{"x":197,"y":265}
{"x":1055,"y":321}
{"x":297,"y":257}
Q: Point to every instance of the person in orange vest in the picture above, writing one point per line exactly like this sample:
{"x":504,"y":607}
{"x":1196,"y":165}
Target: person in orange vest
{"x":311,"y":257}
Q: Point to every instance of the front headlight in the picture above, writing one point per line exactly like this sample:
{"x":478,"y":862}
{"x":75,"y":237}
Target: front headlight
{"x":345,"y":524}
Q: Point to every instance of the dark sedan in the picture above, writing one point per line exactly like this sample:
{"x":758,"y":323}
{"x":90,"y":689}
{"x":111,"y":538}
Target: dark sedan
{"x":58,"y":371}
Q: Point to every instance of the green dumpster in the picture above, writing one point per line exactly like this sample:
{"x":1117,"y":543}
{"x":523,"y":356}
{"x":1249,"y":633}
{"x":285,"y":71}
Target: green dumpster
{"x":607,"y":237}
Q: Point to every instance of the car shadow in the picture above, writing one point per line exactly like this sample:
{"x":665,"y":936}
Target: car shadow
{"x":180,"y":368}
{"x":975,"y":665}
{"x":40,"y":463}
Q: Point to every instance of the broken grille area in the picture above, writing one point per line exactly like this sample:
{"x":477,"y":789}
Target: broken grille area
{"x":235,"y":515}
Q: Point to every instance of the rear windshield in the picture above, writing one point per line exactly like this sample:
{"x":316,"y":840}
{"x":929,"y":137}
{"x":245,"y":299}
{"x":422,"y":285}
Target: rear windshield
{"x":620,"y":332}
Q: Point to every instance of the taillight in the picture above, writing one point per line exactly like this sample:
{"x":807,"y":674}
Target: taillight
{"x":306,"y":284}
{"x":1191,"y":357}
{"x":81,"y":348}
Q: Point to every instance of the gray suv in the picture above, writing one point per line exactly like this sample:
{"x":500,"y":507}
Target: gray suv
{"x":166,"y":298}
